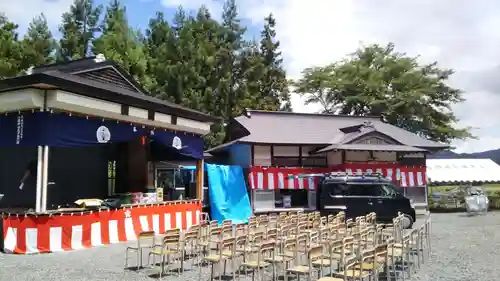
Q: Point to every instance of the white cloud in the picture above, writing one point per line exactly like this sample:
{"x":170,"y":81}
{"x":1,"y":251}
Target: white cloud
{"x":22,"y":12}
{"x":316,"y":32}
{"x":214,"y":6}
{"x":454,"y":32}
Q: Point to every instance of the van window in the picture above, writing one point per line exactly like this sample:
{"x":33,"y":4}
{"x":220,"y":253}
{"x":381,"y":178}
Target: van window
{"x":389,"y":190}
{"x":361,"y":190}
{"x":335,"y":189}
{"x":357,"y":189}
{"x":368,"y":190}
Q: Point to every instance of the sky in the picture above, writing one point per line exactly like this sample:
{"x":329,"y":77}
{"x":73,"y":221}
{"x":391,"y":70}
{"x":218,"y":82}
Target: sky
{"x":459,"y":34}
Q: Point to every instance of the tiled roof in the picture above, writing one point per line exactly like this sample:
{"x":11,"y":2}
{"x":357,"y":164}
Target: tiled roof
{"x":320,"y":129}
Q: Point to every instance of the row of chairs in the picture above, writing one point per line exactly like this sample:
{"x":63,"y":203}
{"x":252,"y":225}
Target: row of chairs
{"x":330,"y":248}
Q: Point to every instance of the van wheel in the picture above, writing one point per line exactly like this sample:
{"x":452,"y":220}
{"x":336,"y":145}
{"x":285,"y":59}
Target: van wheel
{"x":407,"y":221}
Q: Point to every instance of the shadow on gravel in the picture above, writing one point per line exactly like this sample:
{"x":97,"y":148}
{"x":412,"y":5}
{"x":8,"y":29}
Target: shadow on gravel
{"x":134,"y":268}
{"x":172,"y":272}
{"x":470,"y":215}
{"x":455,"y":210}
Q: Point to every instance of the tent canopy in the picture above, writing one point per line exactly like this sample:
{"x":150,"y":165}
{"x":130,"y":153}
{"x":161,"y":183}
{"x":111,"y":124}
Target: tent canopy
{"x":444,"y":171}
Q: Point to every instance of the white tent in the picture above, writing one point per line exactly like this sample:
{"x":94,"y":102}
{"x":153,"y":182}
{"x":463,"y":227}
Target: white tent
{"x":462,"y":170}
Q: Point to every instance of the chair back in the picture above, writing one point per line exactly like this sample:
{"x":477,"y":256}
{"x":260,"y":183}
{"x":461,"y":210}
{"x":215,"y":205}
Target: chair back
{"x":227,"y":223}
{"x":192,"y":233}
{"x":227,"y":245}
{"x":340,"y":217}
{"x":172,"y":240}
{"x":145,"y":238}
{"x":348,"y":246}
{"x":290,"y":247}
{"x":240,"y":242}
{"x":382,"y":253}
{"x":227,"y":230}
{"x":267,"y":250}
{"x":367,"y":257}
{"x":214,"y":223}
{"x":241,"y":229}
{"x":371,"y":218}
{"x":272,"y":234}
{"x":314,"y":253}
{"x":257,"y":237}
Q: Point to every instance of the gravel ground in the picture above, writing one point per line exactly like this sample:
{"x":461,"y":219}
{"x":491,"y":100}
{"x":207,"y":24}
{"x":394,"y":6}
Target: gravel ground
{"x":464,"y":248}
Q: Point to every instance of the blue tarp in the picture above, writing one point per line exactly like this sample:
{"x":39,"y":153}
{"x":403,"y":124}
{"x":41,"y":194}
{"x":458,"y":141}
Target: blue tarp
{"x":228,"y":194}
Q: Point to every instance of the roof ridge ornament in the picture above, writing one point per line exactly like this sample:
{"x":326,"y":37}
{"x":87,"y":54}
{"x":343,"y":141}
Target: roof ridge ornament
{"x":29,"y":71}
{"x":100,"y":58}
{"x":247,"y":113}
{"x":367,"y":124}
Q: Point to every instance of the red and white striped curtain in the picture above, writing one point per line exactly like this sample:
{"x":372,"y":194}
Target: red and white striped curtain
{"x":264,"y":178}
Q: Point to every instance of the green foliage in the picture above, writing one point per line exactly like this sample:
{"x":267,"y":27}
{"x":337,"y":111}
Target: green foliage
{"x":194,"y":60}
{"x":274,"y":82}
{"x":78,"y":28}
{"x":10,"y":49}
{"x":210,"y":66}
{"x":121,"y":43}
{"x":377,"y":80}
{"x":207,"y":65}
{"x":38,"y":44}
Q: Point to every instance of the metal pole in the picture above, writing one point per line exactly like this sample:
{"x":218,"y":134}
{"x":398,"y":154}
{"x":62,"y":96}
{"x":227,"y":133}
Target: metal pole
{"x":202,"y":180}
{"x":39,"y":175}
{"x":84,"y":8}
{"x":45,"y":178}
{"x":426,"y":194}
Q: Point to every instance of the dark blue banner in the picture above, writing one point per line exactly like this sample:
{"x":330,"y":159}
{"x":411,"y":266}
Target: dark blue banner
{"x":29,"y":129}
{"x":63,"y":130}
{"x":23,"y":129}
{"x":184,"y":144}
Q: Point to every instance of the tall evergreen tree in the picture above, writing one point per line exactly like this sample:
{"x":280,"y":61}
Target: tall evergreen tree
{"x":226,"y":79}
{"x":183,"y":59}
{"x":120,"y":43}
{"x":159,"y":42}
{"x":10,"y":49}
{"x":38,"y":43}
{"x":168,"y":57}
{"x":199,"y":50}
{"x":232,"y":41}
{"x":206,"y":34}
{"x":274,"y":83}
{"x":183,"y":70}
{"x":250,"y":73}
{"x":79,"y":27}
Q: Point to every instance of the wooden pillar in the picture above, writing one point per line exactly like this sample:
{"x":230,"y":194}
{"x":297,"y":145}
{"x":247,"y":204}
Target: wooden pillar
{"x":151,"y":176}
{"x":199,"y":179}
{"x":137,"y":166}
{"x":39,"y":172}
{"x":44,"y":179}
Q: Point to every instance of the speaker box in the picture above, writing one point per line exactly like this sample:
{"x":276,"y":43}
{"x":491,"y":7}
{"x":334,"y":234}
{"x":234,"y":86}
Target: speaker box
{"x":113,"y":203}
{"x":190,"y":191}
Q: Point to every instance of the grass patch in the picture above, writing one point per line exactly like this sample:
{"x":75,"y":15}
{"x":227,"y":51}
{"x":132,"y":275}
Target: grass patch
{"x":446,"y":188}
{"x":447,"y":204}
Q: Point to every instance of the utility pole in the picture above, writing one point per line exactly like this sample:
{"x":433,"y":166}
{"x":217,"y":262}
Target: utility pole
{"x":84,"y":11}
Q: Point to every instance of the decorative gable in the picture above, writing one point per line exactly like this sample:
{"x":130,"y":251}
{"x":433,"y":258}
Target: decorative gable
{"x":96,"y":69}
{"x":110,"y":75}
{"x":375,"y":139}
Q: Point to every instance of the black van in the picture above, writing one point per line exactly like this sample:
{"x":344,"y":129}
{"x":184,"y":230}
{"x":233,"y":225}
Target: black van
{"x":360,"y":195}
